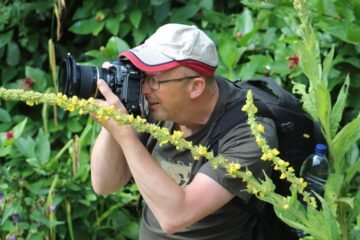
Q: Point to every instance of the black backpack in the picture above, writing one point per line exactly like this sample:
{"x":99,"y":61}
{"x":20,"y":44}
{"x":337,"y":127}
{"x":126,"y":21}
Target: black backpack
{"x":297,"y":134}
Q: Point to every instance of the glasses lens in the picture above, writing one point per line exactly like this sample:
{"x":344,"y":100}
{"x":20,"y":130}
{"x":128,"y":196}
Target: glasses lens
{"x":152,"y":81}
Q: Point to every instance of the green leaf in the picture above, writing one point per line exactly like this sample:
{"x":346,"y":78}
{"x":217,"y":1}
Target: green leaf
{"x":19,"y":128}
{"x":257,"y":64}
{"x":323,"y":106}
{"x":73,"y":125}
{"x":4,"y":116}
{"x":5,"y":38}
{"x":26,"y":146}
{"x":135,"y":17}
{"x":13,"y":54}
{"x":244,"y":22}
{"x":86,"y":26}
{"x":40,"y":78}
{"x":184,"y":13}
{"x":327,"y":65}
{"x":332,"y":191}
{"x":329,"y":221}
{"x":338,"y":109}
{"x":42,"y":147}
{"x":344,"y":30}
{"x":113,"y":25}
{"x":343,"y":141}
{"x":113,"y":47}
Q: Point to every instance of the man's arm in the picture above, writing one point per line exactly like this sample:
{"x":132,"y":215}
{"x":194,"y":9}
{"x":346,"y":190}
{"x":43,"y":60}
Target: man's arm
{"x":109,"y":169}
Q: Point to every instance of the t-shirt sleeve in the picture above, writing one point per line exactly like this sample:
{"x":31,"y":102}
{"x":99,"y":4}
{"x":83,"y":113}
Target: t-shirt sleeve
{"x":239,"y":146}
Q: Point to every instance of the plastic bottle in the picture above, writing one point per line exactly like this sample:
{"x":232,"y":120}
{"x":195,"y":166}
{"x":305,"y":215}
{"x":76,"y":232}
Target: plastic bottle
{"x":315,"y":171}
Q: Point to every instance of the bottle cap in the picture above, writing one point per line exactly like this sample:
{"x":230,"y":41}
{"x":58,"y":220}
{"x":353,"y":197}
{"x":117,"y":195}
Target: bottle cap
{"x":320,"y":148}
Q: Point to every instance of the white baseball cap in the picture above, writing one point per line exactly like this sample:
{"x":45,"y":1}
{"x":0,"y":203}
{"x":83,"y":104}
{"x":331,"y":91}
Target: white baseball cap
{"x":173,"y":45}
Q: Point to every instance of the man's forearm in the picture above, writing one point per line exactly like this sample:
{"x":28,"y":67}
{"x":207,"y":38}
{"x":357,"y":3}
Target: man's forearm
{"x":109,"y":170}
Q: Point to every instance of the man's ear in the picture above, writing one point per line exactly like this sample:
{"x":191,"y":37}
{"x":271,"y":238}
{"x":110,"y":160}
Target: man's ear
{"x":196,"y":87}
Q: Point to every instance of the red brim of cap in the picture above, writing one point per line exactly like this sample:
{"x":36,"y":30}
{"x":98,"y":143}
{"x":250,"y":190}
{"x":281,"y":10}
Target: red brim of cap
{"x":148,"y":60}
{"x":159,"y":67}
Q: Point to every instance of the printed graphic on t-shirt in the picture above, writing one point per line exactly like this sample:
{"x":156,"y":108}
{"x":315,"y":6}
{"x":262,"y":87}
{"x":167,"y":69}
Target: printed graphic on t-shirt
{"x":176,"y":170}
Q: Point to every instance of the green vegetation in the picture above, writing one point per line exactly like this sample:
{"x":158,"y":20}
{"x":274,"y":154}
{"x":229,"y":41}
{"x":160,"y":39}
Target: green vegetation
{"x":45,"y":190}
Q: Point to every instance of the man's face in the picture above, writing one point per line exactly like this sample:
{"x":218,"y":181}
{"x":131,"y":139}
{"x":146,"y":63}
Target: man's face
{"x":167,"y":99}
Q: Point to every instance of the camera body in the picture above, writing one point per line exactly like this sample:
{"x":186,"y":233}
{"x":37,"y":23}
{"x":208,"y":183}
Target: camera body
{"x":123,"y":78}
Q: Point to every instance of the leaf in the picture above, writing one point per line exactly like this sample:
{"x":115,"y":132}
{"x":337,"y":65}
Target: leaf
{"x":183,"y":13}
{"x":135,"y":17}
{"x":5,"y":38}
{"x":327,"y":66}
{"x":113,"y":25}
{"x":13,"y":54}
{"x":306,"y":99}
{"x":333,"y":187}
{"x":329,"y":220}
{"x":39,"y":76}
{"x":256,"y":64}
{"x":323,"y":106}
{"x":228,"y":52}
{"x":338,"y":109}
{"x":86,"y":26}
{"x":19,"y":128}
{"x":244,"y":22}
{"x":114,"y":46}
{"x":4,"y":116}
{"x":344,"y":30}
{"x":42,"y":147}
{"x":344,"y":140}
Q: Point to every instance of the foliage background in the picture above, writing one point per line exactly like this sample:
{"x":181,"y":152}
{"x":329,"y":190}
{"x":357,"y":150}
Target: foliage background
{"x":45,"y":190}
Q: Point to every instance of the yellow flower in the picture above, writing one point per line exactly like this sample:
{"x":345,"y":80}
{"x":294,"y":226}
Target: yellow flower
{"x":286,"y":206}
{"x":245,"y":108}
{"x":233,"y":168}
{"x":275,"y":152}
{"x":260,"y":128}
{"x":283,"y":176}
{"x":291,"y":169}
{"x":177,"y":134}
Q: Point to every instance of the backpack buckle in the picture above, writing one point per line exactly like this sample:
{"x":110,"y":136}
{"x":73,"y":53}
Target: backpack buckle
{"x":287,"y":127}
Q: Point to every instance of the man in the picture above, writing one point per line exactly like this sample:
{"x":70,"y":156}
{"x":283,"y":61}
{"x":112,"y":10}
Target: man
{"x":183,"y":94}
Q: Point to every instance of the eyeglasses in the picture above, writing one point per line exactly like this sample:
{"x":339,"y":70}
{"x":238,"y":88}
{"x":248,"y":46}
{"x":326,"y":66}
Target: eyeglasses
{"x":154,"y":82}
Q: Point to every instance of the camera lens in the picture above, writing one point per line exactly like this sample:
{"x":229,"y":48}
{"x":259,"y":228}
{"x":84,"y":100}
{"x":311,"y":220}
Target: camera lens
{"x":122,"y":77}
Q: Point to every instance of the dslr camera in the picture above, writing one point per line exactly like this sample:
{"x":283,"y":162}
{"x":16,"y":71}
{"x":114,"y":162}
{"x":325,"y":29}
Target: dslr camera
{"x":123,"y":78}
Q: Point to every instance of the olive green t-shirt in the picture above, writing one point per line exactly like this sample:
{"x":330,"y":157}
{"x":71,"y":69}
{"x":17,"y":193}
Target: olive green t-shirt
{"x":238,"y":145}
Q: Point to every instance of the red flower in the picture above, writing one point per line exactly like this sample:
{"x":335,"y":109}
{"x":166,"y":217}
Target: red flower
{"x":28,"y":83}
{"x":293,"y":61}
{"x":9,"y":135}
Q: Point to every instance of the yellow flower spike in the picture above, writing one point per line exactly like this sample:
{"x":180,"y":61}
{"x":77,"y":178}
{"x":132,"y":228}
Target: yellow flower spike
{"x":276,"y":167}
{"x":283,"y":176}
